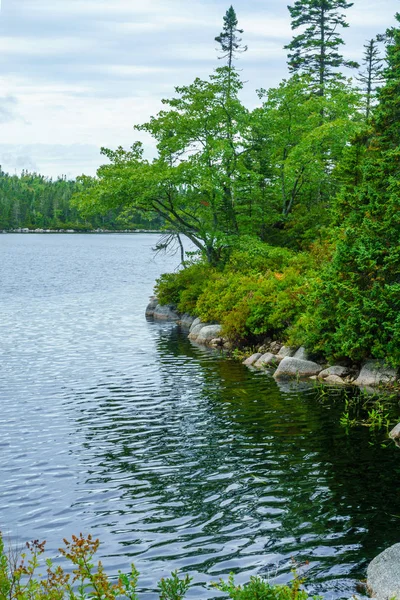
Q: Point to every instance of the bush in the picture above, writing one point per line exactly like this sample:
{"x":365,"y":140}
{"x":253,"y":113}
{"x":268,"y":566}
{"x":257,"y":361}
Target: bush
{"x":19,"y":579}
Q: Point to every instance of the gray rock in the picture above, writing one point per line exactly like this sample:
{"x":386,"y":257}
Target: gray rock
{"x":295,"y":367}
{"x":193,"y":325}
{"x":275,"y":347}
{"x":252,"y":359}
{"x":208,"y":333}
{"x":267,"y":359}
{"x":301,"y":353}
{"x":195,"y":329}
{"x":335,"y":379}
{"x":286,"y":351}
{"x":165,"y":313}
{"x":375,"y":373}
{"x":334,"y":370}
{"x":383,"y":574}
{"x":186,"y":321}
{"x":151,"y":306}
{"x":395,"y":434}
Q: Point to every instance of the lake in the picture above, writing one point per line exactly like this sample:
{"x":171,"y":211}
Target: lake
{"x":174,"y":456}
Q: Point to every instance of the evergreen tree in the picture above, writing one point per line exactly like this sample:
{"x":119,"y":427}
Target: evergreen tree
{"x":230,"y":42}
{"x":372,"y":74}
{"x":357,"y":309}
{"x":316,"y":50}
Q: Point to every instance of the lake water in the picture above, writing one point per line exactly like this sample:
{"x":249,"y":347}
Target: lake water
{"x":174,"y":456}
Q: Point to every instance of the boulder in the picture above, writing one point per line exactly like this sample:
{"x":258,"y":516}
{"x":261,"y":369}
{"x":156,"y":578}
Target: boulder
{"x":217,"y":342}
{"x":335,"y":379}
{"x":395,"y":434}
{"x":383,"y":574}
{"x":208,"y":333}
{"x":165,"y":313}
{"x":197,"y":321}
{"x":195,"y":329}
{"x":286,"y":351}
{"x":186,"y":321}
{"x":375,"y":373}
{"x":334,"y":370}
{"x":301,"y":353}
{"x":252,"y":359}
{"x":275,"y":347}
{"x":267,"y":359}
{"x":151,"y":306}
{"x":295,"y":367}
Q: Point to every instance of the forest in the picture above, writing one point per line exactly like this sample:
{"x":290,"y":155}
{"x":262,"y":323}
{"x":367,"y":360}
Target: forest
{"x":293,"y":206}
{"x":32,"y":201}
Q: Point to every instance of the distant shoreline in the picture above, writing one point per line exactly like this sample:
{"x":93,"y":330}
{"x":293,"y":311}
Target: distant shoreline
{"x":71,"y":231}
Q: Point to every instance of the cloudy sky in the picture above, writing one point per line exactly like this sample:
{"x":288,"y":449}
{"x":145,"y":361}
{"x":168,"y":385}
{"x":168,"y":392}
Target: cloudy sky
{"x":78,"y":74}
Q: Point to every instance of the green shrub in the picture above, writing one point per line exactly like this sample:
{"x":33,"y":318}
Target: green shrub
{"x":20,"y":580}
{"x":260,"y":589}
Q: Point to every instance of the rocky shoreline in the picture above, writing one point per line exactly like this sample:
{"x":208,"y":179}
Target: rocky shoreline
{"x":285,"y":362}
{"x":383,"y":575}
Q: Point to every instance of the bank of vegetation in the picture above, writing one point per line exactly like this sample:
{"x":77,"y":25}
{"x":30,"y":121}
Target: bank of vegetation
{"x":293,"y":207}
{"x":32,"y":201}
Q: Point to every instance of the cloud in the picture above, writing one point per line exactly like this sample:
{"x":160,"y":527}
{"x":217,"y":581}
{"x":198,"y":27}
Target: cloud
{"x":78,"y":74}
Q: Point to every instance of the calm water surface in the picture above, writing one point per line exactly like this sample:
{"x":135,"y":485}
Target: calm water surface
{"x":174,"y":456}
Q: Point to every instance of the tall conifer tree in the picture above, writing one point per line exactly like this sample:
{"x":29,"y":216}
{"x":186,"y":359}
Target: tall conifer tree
{"x":231,"y":43}
{"x":316,"y":50}
{"x":357,"y":312}
{"x":372,"y":74}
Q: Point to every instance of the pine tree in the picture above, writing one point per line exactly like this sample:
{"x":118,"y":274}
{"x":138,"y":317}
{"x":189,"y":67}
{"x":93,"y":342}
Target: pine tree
{"x":373,"y":72}
{"x":357,"y":312}
{"x":230,"y":42}
{"x":316,"y":50}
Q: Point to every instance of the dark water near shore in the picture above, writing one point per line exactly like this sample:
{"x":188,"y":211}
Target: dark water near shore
{"x":174,"y":456}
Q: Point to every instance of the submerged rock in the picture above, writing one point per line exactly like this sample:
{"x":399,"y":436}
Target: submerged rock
{"x":383,"y":574}
{"x":252,"y":359}
{"x":296,"y":367}
{"x":375,"y":373}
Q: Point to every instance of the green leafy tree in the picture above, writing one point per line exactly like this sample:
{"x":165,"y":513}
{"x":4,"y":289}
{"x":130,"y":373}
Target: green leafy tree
{"x":300,"y":154}
{"x":200,"y":180}
{"x":372,"y":74}
{"x":315,"y":50}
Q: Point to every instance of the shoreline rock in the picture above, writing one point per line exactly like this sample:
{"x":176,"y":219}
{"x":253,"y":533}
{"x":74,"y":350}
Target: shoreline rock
{"x":288,"y":362}
{"x":383,"y":574}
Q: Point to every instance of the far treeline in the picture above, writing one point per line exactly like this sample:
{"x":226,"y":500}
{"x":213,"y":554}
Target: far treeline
{"x":35,"y":202}
{"x":294,"y":207}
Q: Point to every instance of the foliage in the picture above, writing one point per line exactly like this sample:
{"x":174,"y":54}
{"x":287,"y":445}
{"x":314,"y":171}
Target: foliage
{"x":228,"y":39}
{"x":20,"y":580}
{"x":356,"y":305}
{"x":36,"y":202}
{"x":260,"y":589}
{"x":315,"y":50}
{"x":372,"y":75}
{"x":260,"y":291}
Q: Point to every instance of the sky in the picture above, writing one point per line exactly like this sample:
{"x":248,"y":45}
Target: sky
{"x":76,"y":75}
